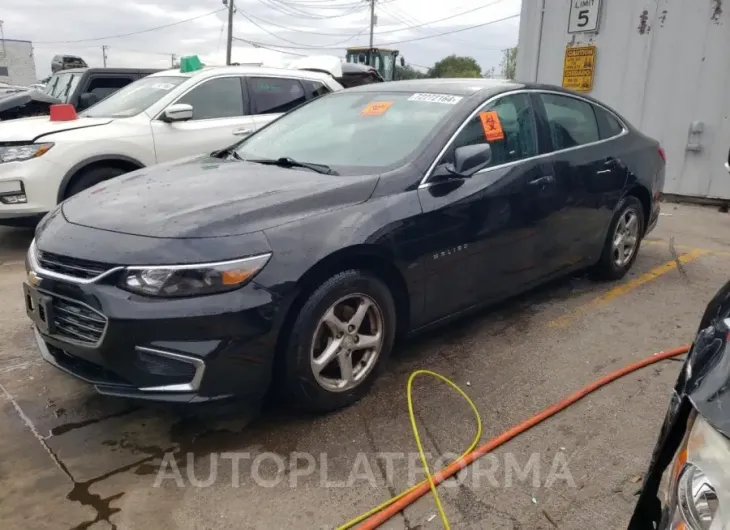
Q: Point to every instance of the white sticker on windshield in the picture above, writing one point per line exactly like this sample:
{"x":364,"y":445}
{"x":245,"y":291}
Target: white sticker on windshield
{"x":446,"y":99}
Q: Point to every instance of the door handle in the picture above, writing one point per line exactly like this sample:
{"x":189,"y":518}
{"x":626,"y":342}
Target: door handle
{"x":543,"y":181}
{"x":242,"y":132}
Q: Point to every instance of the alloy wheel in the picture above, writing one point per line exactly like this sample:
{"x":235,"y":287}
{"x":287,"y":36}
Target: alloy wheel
{"x":625,"y":238}
{"x":347,"y":342}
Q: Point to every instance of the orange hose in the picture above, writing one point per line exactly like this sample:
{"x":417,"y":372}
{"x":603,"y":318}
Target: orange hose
{"x":381,"y":517}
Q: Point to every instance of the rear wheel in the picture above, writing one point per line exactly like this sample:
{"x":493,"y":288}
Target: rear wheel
{"x":91,"y":177}
{"x":340,"y":339}
{"x":622,"y":243}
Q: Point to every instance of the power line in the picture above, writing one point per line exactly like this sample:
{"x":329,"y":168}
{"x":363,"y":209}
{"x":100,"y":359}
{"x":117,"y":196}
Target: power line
{"x":132,"y":32}
{"x":294,"y":42}
{"x":384,"y":32}
{"x":294,"y":12}
{"x":405,"y":18}
{"x":394,"y":42}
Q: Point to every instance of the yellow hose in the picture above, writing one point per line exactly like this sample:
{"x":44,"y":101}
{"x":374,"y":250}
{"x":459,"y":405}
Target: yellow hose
{"x":414,"y":427}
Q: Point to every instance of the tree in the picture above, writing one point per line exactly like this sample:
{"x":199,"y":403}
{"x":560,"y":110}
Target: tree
{"x":456,"y":66}
{"x":490,"y":73}
{"x":508,"y":66}
{"x":408,"y":72}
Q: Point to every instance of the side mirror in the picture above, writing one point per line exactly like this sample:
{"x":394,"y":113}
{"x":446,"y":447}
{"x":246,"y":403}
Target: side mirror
{"x":86,"y":100}
{"x":177,"y":112}
{"x":469,"y":159}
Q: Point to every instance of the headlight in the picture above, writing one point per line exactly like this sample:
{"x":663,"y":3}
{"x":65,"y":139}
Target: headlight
{"x":700,"y":486}
{"x":18,"y":153}
{"x":192,"y":280}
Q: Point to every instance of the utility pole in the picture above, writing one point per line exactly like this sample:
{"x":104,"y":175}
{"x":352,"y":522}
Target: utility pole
{"x":229,"y":43}
{"x":104,"y":48}
{"x":372,"y":21}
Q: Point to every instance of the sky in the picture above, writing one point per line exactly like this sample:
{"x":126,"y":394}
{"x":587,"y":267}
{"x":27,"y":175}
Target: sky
{"x":308,"y":27}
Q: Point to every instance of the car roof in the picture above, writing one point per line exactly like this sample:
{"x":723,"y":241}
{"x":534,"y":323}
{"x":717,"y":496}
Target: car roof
{"x":109,"y":70}
{"x":212,"y":71}
{"x":461,"y":87}
{"x":466,"y":87}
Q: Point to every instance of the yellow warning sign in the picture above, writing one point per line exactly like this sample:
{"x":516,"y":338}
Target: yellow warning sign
{"x":578,"y":68}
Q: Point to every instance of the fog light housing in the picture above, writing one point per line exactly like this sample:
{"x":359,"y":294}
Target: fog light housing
{"x":14,"y":198}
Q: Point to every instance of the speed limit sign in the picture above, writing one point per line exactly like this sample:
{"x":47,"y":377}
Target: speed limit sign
{"x":584,"y":15}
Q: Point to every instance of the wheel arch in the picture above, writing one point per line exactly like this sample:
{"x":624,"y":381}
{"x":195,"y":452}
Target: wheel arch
{"x":641,"y":193}
{"x":121,"y":161}
{"x":375,"y":259}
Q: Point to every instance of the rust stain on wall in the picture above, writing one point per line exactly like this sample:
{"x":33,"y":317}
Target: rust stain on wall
{"x":644,"y":26}
{"x":663,"y":17}
{"x":716,"y":10}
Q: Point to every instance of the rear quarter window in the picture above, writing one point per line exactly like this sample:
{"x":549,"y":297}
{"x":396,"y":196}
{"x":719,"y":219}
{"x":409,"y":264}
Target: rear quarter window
{"x":608,"y":125}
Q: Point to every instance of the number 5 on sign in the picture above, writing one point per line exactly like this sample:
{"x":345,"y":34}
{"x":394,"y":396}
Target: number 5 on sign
{"x":583,"y":15}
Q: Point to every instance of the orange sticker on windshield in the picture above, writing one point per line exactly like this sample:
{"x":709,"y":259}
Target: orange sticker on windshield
{"x":376,"y":108}
{"x":491,"y":125}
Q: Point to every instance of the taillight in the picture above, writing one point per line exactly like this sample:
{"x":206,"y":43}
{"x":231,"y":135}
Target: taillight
{"x":663,"y":154}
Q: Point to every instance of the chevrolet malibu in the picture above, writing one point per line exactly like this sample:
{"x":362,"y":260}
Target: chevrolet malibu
{"x":299,"y":255}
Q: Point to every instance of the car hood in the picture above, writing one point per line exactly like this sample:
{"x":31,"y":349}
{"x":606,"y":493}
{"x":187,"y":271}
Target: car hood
{"x":705,"y":377}
{"x":32,"y":129}
{"x":210,"y":197}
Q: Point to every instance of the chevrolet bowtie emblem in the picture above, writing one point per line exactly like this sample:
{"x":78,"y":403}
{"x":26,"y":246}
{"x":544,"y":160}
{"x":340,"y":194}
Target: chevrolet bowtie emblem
{"x":33,"y":278}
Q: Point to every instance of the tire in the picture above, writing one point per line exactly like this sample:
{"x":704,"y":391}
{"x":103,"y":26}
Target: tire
{"x":90,"y":177}
{"x":310,"y":337}
{"x":608,"y":266}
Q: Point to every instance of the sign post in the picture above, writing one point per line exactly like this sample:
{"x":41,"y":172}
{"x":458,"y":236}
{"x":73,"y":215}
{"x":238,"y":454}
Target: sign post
{"x":578,"y":68}
{"x":584,"y":15}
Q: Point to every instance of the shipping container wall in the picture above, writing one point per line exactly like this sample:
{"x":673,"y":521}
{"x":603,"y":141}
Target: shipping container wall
{"x":663,"y":64}
{"x":17,"y":64}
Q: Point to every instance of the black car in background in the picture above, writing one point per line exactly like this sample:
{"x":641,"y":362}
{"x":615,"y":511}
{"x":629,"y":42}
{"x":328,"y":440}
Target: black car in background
{"x":687,"y":485}
{"x":80,"y":87}
{"x":300,"y":254}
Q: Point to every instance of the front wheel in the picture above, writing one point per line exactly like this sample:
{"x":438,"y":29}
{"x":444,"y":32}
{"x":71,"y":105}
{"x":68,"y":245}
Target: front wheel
{"x":622,"y":243}
{"x":341,"y":338}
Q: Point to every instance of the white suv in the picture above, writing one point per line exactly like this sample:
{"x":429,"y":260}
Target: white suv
{"x":162,"y":117}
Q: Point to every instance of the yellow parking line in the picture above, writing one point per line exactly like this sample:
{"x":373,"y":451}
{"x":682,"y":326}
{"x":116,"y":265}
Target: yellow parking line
{"x":626,"y":287}
{"x":659,"y":242}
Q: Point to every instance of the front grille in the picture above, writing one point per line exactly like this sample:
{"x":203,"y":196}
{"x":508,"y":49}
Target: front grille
{"x":77,"y":268}
{"x":77,"y":322}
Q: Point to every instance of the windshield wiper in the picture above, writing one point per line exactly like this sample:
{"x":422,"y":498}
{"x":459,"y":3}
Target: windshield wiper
{"x":286,"y":161}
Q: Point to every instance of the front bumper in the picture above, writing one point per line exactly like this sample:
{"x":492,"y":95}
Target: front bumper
{"x":184,"y":351}
{"x":39,"y":179}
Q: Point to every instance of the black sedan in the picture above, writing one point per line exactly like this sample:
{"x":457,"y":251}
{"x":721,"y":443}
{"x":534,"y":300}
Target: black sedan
{"x":688,"y":483}
{"x":299,"y":255}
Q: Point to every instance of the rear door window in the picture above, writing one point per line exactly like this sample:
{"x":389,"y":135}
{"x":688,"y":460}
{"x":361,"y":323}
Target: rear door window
{"x":572,"y":121}
{"x":274,"y":95}
{"x":315,"y":89}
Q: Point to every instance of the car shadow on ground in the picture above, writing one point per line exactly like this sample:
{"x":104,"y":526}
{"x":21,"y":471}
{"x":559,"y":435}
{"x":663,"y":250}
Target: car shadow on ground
{"x":14,"y":243}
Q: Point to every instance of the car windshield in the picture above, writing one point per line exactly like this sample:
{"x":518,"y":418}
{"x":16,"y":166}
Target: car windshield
{"x":352,"y":132}
{"x":62,"y":85}
{"x":134,"y":98}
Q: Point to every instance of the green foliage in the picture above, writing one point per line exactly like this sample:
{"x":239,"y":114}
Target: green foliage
{"x":456,"y":66}
{"x":508,"y":66}
{"x":408,"y":72}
